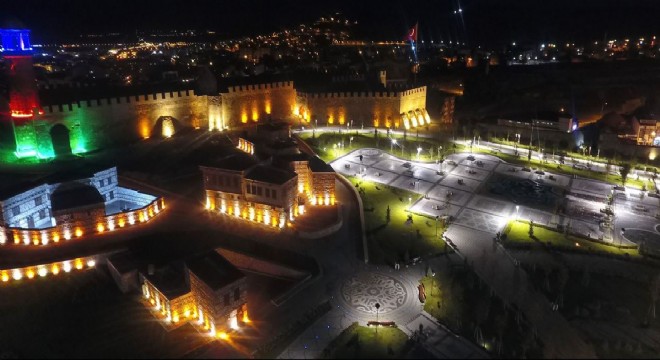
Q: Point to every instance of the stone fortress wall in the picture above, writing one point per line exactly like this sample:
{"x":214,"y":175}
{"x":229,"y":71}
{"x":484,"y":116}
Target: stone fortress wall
{"x":257,"y":103}
{"x":379,"y":109}
{"x":95,"y":124}
{"x":98,"y":123}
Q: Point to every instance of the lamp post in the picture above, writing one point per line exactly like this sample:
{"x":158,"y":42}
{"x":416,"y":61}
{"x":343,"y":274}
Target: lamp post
{"x":377,"y":306}
{"x":436,"y":226}
{"x":419,"y":149}
{"x":350,"y":142}
{"x":392,"y":145}
{"x":517,"y":208}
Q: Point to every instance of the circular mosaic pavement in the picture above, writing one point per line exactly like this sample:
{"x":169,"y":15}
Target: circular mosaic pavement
{"x":364,"y":290}
{"x":370,"y":152}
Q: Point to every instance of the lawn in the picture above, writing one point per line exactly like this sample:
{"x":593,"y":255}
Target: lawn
{"x":518,"y":233}
{"x":330,"y":146}
{"x":360,"y":342}
{"x":391,"y":241}
{"x":441,"y":302}
{"x":535,"y":163}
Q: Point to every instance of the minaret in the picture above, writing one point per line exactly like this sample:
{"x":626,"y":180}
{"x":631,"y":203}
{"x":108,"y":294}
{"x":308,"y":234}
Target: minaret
{"x":23,"y":96}
{"x":24,"y":104}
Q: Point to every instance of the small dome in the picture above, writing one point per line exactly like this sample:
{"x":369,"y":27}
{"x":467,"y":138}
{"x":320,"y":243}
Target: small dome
{"x":74,"y":195}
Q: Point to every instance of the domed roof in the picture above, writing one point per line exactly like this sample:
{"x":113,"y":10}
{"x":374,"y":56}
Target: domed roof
{"x":74,"y":195}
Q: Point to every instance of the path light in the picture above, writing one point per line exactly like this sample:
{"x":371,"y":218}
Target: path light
{"x":517,"y":208}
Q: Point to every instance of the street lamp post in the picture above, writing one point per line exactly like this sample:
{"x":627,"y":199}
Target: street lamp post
{"x":419,"y":149}
{"x":350,"y":142}
{"x":436,"y":226}
{"x":392,"y":143}
{"x":517,"y":208}
{"x":377,"y":308}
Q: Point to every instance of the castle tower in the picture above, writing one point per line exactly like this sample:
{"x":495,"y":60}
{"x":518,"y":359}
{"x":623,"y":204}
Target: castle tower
{"x":23,"y":96}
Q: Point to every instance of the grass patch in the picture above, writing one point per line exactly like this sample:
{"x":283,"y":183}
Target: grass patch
{"x":441,"y":302}
{"x":391,"y":241}
{"x":517,"y":233}
{"x":360,"y":342}
{"x":566,"y":169}
{"x":330,"y":146}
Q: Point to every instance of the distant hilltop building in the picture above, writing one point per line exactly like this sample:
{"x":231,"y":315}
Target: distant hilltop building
{"x":70,"y":120}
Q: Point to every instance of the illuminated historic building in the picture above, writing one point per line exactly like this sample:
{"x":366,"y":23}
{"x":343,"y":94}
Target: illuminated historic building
{"x":78,"y":120}
{"x":271,"y":193}
{"x":66,"y":208}
{"x":205,"y":290}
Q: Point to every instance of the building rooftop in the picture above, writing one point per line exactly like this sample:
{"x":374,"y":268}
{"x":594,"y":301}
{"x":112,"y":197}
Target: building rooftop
{"x":74,"y":195}
{"x":238,"y":161}
{"x":124,"y":261}
{"x":170,"y":279}
{"x":273,"y":126}
{"x":315,"y":163}
{"x":318,"y":165}
{"x":270,"y":174}
{"x":214,"y":270}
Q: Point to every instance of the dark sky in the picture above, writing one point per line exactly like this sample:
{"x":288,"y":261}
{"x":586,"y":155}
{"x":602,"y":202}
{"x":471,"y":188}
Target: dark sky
{"x":483,"y":21}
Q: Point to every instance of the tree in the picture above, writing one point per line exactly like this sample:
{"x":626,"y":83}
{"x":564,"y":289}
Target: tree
{"x":625,"y":170}
{"x":561,"y":285}
{"x":654,"y":284}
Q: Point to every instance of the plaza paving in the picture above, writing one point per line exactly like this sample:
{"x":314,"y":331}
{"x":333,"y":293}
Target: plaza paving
{"x":478,"y":216}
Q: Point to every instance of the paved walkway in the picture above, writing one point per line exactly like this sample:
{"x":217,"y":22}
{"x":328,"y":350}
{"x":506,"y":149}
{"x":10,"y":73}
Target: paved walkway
{"x":477,"y":218}
{"x":511,"y":284}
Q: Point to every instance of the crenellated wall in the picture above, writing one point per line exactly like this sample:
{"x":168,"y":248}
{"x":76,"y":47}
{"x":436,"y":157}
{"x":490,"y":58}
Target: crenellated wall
{"x":99,"y":123}
{"x":380,"y":109}
{"x":93,"y":124}
{"x":253,"y":103}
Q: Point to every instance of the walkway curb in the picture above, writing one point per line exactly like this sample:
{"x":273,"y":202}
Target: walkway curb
{"x":348,"y":184}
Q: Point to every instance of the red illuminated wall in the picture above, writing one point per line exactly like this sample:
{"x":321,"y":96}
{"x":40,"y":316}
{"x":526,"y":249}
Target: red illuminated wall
{"x":23,"y":97}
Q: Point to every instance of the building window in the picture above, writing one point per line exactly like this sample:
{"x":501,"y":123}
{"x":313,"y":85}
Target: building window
{"x":274,"y":194}
{"x":237,"y":294}
{"x":102,"y":182}
{"x":226,"y":299}
{"x":38,"y":201}
{"x":42,"y":214}
{"x":259,"y":192}
{"x":267,"y":192}
{"x":112,"y":195}
{"x":16,"y":210}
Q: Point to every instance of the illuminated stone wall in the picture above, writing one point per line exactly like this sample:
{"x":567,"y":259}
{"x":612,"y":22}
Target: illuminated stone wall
{"x":324,"y":188}
{"x":181,"y":308}
{"x":99,"y":123}
{"x":257,"y":103}
{"x":214,"y":309}
{"x":380,"y":109}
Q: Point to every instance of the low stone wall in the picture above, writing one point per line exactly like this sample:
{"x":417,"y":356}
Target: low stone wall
{"x":349,"y":185}
{"x":68,"y":231}
{"x":326,"y":231}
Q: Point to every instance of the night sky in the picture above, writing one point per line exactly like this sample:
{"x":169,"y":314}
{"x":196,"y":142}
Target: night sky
{"x":484,"y":22}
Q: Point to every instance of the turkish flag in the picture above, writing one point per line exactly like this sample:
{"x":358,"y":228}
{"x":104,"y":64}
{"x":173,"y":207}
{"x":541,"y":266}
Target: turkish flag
{"x":412,"y":33}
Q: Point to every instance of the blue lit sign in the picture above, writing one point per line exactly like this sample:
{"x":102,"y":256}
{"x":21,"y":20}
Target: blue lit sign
{"x":15,"y":42}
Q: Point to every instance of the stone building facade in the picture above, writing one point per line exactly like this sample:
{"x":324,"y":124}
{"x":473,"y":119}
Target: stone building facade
{"x":271,"y":194}
{"x":65,"y":208}
{"x":206,"y":290}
